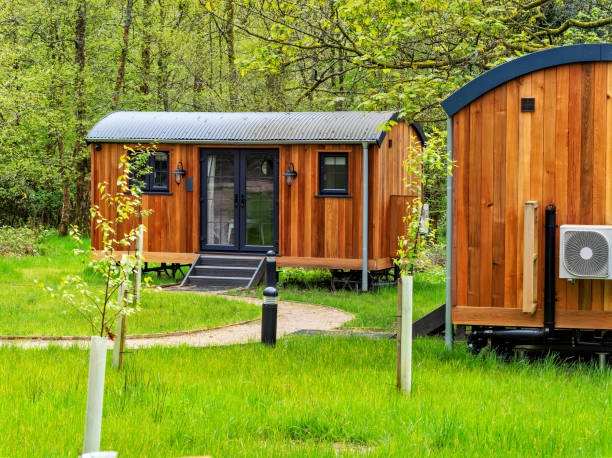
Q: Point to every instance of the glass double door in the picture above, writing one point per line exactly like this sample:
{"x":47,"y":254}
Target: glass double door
{"x":238,"y":199}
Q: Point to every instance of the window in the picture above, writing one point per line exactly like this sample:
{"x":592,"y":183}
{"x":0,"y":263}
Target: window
{"x":158,"y":178}
{"x":333,"y":173}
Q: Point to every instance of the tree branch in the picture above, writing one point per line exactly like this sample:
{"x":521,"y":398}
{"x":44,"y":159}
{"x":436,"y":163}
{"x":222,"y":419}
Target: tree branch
{"x":575,"y":23}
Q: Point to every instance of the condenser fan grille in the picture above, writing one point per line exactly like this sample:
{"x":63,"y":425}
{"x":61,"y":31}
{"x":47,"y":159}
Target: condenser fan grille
{"x":586,"y":254}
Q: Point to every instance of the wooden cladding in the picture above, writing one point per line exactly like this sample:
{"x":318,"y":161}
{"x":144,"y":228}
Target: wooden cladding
{"x":313,"y":230}
{"x":558,"y":153}
{"x":328,"y":228}
{"x":174,"y":213}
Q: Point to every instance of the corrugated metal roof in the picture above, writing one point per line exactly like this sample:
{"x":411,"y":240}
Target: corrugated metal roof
{"x":246,"y":128}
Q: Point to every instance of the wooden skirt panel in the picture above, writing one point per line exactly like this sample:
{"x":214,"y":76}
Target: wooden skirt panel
{"x":564,"y":319}
{"x":332,"y":263}
{"x":154,"y":256}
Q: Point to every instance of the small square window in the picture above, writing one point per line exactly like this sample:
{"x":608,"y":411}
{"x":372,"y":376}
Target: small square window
{"x":158,"y":178}
{"x":333,"y":173}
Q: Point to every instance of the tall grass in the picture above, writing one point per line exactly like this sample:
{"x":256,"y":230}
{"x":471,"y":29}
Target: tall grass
{"x":26,"y":309}
{"x":306,"y":397}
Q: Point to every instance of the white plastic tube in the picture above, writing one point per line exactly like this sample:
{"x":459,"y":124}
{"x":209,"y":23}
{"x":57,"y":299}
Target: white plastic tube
{"x":95,"y":394}
{"x":406,"y":336}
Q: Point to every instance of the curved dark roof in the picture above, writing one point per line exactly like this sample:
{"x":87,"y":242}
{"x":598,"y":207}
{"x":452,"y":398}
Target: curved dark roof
{"x":245,"y":128}
{"x":521,"y":66}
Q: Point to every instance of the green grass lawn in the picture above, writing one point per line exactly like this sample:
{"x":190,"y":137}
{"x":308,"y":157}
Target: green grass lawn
{"x":308,"y":396}
{"x":25,"y":308}
{"x":376,"y":309}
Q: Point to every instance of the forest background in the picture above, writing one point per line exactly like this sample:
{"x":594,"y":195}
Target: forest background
{"x":64,"y":64}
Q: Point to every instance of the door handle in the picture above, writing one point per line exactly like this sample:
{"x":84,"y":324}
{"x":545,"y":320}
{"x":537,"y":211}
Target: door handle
{"x":243,"y":202}
{"x":235,"y":200}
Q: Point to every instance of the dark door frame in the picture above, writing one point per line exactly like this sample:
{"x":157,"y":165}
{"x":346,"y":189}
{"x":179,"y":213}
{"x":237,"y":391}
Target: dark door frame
{"x":239,"y":244}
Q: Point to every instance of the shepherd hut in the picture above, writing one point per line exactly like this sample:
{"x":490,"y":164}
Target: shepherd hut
{"x":323,"y":190}
{"x":530,"y":207}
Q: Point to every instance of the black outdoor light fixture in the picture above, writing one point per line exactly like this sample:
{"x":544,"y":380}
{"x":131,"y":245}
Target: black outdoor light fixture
{"x":290,"y":174}
{"x":179,"y":173}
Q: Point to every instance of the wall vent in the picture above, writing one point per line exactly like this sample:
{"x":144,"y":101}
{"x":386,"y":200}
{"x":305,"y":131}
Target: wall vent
{"x":527,"y":105}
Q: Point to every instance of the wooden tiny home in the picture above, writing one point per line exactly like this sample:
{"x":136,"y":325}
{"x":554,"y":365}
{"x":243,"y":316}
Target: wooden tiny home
{"x":528,"y":135}
{"x":342,"y":210}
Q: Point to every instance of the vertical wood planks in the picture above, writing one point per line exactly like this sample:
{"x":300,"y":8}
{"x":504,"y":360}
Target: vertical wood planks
{"x":486,"y":201}
{"x":512,"y":188}
{"x":474,"y":202}
{"x":461,"y":142}
{"x":608,"y":186}
{"x":561,"y":154}
{"x":498,"y":160}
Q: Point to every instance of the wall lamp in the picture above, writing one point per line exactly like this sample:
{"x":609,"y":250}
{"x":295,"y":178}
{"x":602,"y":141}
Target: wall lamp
{"x":290,"y":174}
{"x":179,"y":173}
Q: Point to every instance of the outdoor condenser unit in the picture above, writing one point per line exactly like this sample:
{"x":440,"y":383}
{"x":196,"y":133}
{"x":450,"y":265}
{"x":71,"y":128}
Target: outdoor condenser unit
{"x":585,"y":251}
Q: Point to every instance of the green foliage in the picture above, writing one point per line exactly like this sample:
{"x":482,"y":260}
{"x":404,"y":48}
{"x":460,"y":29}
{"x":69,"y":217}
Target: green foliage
{"x":300,"y":277}
{"x":21,"y":241}
{"x":426,"y":167}
{"x":120,"y":293}
{"x":406,"y":55}
{"x":28,"y":193}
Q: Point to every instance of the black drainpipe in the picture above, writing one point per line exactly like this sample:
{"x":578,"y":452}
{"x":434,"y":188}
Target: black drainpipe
{"x":550,"y":244}
{"x":533,"y":335}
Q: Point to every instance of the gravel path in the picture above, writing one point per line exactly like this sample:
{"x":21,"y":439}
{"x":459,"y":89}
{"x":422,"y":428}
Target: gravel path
{"x":292,"y":317}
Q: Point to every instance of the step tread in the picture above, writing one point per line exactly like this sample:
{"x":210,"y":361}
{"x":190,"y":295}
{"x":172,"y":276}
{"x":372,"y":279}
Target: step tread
{"x":228,"y":271}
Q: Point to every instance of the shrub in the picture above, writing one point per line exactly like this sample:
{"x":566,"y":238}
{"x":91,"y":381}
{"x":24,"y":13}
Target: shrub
{"x":20,"y":241}
{"x":305,"y":278}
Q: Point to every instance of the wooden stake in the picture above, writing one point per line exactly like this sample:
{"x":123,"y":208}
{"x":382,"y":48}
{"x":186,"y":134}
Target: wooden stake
{"x":530,"y":258}
{"x":119,"y":344}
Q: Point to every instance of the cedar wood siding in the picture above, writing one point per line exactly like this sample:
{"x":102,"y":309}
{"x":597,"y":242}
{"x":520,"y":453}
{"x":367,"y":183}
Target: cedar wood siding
{"x":313,"y":231}
{"x":326,"y":232}
{"x":560,"y":154}
{"x":172,"y":230}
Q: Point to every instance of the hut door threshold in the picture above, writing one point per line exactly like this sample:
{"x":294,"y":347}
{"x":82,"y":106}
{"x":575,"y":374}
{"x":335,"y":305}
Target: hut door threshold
{"x":238,"y":199}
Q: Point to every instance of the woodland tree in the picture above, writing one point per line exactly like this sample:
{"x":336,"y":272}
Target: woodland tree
{"x":64,"y":64}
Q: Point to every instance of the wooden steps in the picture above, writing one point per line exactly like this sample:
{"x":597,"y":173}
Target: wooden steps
{"x":221,"y":272}
{"x":431,"y":324}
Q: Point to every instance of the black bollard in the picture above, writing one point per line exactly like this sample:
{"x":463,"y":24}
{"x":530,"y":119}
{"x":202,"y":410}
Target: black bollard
{"x":271,"y":277}
{"x":268,"y":316}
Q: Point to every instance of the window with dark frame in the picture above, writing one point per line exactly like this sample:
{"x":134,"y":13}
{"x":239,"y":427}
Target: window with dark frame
{"x":333,"y":174}
{"x":158,"y":180}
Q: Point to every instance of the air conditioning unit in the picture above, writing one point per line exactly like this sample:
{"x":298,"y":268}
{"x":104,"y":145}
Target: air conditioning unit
{"x":585,"y":251}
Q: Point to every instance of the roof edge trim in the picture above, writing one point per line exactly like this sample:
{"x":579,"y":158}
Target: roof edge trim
{"x":520,"y":66}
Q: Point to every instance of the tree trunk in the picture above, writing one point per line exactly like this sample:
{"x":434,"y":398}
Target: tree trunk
{"x":231,"y":53}
{"x":145,"y":53}
{"x":124,"y":51}
{"x":81,"y":154}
